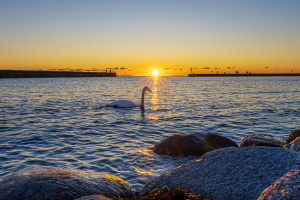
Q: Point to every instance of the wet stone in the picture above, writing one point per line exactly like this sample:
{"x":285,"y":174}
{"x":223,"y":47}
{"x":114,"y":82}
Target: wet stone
{"x":293,"y":135}
{"x":261,"y":140}
{"x":294,"y":145}
{"x":194,"y":144}
{"x":37,"y":182}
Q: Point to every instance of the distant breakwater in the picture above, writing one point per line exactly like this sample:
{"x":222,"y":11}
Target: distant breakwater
{"x":243,"y":75}
{"x":51,"y":74}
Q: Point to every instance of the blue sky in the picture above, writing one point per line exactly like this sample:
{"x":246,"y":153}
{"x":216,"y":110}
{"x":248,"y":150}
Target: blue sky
{"x":138,"y":34}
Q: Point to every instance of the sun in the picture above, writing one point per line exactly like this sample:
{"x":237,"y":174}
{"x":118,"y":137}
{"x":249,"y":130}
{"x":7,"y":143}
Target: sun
{"x":155,"y":72}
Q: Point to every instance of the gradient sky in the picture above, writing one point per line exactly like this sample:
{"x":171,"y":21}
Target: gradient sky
{"x":135,"y":36}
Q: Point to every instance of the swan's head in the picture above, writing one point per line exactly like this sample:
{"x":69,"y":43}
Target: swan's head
{"x":146,"y":89}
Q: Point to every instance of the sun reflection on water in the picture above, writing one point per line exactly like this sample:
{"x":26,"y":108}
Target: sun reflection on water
{"x":154,"y":117}
{"x":142,"y":172}
{"x":145,"y":152}
{"x":155,"y":83}
{"x":155,"y":99}
{"x":149,"y":156}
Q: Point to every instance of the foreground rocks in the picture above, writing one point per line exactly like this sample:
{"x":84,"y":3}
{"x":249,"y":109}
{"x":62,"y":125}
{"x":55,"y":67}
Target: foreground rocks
{"x":38,"y":182}
{"x":260,"y":140}
{"x":175,"y":194}
{"x":293,"y":135}
{"x":227,"y":173}
{"x":195,"y":144}
{"x":230,"y":173}
{"x":94,"y":197}
{"x":294,"y":145}
{"x":287,"y":187}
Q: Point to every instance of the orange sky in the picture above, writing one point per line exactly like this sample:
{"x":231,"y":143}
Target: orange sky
{"x":135,"y":37}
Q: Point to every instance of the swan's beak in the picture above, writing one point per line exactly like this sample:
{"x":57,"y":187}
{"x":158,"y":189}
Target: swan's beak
{"x":150,"y":90}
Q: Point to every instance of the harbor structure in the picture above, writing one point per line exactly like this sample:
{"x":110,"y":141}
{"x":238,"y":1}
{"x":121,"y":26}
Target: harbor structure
{"x":51,"y":74}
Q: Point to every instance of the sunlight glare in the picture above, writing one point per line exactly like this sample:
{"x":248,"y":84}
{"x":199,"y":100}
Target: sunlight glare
{"x":145,"y":152}
{"x":155,"y":72}
{"x":142,"y":172}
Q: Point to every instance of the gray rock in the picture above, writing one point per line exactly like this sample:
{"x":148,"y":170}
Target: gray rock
{"x":39,"y":182}
{"x":287,"y":187}
{"x":294,"y":145}
{"x":195,"y":144}
{"x":94,"y":197}
{"x":260,"y":140}
{"x":230,"y":173}
{"x":293,"y":135}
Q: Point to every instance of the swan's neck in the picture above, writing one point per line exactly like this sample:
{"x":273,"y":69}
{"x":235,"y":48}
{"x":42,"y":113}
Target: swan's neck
{"x":143,"y":98}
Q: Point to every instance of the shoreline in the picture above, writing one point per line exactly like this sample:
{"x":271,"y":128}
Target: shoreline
{"x":51,"y":74}
{"x":223,"y":172}
{"x":244,"y":75}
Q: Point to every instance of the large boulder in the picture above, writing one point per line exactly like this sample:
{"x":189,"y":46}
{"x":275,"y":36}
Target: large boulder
{"x":287,"y":187}
{"x":261,"y":140}
{"x":294,"y":145}
{"x":230,"y":173}
{"x":40,"y":183}
{"x":293,"y":135}
{"x":195,"y":144}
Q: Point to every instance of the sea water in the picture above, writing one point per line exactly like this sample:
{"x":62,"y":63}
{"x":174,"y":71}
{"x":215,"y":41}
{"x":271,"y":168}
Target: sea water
{"x":64,"y":122}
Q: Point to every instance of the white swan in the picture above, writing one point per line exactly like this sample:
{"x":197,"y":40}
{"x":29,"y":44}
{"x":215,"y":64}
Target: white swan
{"x":128,"y":104}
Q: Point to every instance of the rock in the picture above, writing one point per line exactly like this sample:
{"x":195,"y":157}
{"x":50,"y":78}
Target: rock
{"x":260,"y":140}
{"x":293,"y":135}
{"x":37,"y":182}
{"x":294,"y":145}
{"x":174,"y":194}
{"x":195,"y":144}
{"x":287,"y":187}
{"x":229,"y":173}
{"x":94,"y":197}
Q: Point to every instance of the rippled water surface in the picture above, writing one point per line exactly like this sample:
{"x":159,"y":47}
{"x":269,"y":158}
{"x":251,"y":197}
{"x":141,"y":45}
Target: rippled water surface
{"x":64,"y":122}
